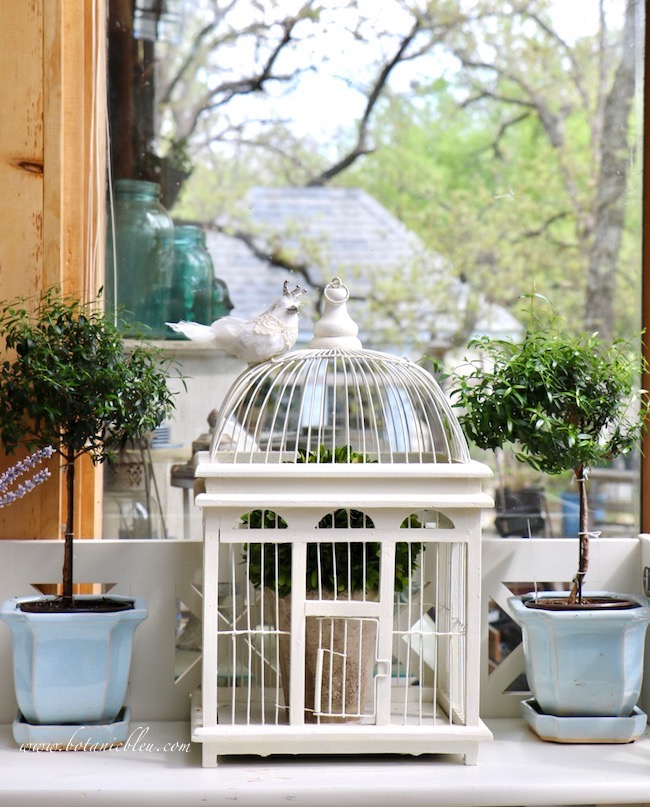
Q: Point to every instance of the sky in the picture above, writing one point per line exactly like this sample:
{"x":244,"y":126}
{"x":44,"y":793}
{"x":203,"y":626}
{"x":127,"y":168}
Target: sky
{"x":323,"y":103}
{"x":571,"y":16}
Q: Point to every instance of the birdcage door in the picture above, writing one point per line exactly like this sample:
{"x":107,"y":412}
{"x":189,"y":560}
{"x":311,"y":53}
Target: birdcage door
{"x":344,"y":650}
{"x":340,"y":657}
{"x":345,"y":634}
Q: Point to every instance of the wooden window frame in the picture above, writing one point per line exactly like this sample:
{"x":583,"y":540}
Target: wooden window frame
{"x":52,"y":82}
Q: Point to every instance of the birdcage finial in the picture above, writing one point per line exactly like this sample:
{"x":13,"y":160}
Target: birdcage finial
{"x":336,"y":328}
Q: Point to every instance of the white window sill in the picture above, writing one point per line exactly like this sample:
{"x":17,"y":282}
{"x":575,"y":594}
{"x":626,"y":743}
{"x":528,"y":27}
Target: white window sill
{"x":514,"y":769}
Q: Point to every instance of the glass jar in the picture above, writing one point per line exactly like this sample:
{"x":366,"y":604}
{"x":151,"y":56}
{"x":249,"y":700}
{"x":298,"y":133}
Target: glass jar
{"x":139,"y":258}
{"x":197,"y":295}
{"x":191,"y":297}
{"x":221,"y":303}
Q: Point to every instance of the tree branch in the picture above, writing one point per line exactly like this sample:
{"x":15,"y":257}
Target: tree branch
{"x":549,"y":121}
{"x":270,"y":253}
{"x":187,"y":61}
{"x":543,"y":228}
{"x":243,"y":86}
{"x":495,"y":144}
{"x":360,"y":148}
{"x":568,"y":52}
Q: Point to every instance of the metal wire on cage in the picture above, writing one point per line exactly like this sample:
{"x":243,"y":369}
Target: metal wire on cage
{"x":336,"y":403}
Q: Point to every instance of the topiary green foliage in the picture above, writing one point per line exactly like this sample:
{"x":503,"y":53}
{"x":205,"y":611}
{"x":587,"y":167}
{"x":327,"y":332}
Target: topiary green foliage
{"x":564,"y":402}
{"x":331,"y":566}
{"x":68,"y":382}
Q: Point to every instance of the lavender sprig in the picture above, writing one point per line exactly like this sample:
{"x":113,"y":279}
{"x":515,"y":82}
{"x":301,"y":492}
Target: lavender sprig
{"x":9,"y":477}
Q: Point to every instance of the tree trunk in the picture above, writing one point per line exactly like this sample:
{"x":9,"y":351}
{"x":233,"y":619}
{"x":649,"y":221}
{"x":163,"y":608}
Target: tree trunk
{"x":609,"y":206}
{"x":583,"y":536}
{"x":69,"y":534}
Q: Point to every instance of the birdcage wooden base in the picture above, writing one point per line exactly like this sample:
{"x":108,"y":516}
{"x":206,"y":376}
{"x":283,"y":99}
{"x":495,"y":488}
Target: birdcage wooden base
{"x":416,"y":708}
{"x":260,"y":727}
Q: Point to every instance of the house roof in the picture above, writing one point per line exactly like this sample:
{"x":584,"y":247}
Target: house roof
{"x":334,"y":232}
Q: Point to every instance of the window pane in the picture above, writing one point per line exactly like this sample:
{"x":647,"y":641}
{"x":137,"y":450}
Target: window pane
{"x":443,"y":159}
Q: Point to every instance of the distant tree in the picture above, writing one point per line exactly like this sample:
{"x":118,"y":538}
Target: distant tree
{"x":528,"y":164}
{"x":518,"y":167}
{"x":527,"y":68}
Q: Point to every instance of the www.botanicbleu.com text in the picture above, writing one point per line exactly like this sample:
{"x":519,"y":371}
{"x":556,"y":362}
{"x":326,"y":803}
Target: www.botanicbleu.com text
{"x":136,"y":741}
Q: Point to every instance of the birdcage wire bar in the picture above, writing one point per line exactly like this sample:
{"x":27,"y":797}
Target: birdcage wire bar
{"x":384,"y":407}
{"x":427,"y":639}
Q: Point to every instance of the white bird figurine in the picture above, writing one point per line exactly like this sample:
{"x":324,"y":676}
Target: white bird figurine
{"x":255,"y":340}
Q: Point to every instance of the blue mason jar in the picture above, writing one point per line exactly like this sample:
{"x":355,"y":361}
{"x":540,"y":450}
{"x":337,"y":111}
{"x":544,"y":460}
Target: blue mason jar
{"x":197,"y":295}
{"x":139,"y":258}
{"x":191,"y":297}
{"x":221,"y":303}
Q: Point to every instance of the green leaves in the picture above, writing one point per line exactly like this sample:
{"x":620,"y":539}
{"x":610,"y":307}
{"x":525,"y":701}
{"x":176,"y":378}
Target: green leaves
{"x":325,"y":455}
{"x":331,"y":565}
{"x":71,"y":382}
{"x":563,"y":401}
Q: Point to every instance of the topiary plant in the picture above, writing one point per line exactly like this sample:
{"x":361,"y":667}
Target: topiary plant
{"x":565,"y":402}
{"x":68,"y":382}
{"x":331,"y":566}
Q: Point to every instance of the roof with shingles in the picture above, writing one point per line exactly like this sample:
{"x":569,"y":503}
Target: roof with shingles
{"x":334,"y":232}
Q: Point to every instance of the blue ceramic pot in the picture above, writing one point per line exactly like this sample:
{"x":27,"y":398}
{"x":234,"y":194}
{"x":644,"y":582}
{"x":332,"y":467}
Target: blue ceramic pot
{"x":583,"y":663}
{"x":71,"y":668}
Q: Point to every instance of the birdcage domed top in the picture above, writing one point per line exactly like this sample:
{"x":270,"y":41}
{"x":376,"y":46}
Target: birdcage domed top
{"x":337,"y":402}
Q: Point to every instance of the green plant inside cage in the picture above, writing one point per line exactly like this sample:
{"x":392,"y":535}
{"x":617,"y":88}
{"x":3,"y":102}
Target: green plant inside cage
{"x":332,"y":566}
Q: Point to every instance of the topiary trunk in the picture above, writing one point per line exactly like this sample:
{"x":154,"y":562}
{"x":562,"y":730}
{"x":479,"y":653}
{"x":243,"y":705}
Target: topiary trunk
{"x":583,"y":536}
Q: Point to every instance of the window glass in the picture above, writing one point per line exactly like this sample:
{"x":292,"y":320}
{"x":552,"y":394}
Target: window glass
{"x":443,"y":159}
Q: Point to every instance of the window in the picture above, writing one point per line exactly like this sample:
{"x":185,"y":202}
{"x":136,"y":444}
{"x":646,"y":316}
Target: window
{"x":443,"y":162}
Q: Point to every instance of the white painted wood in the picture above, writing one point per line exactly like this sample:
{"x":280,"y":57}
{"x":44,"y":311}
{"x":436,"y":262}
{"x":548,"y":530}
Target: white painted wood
{"x":156,"y":771}
{"x":160,"y":769}
{"x":298,"y":630}
{"x":163,"y":571}
{"x":210,"y":616}
{"x":382,"y":681}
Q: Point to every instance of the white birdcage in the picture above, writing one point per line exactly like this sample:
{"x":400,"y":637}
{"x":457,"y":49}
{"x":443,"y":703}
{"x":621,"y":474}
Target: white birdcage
{"x":341,"y":593}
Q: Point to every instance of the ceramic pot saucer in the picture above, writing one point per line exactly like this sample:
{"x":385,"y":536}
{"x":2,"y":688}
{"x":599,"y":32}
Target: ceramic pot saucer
{"x":98,"y":737}
{"x":583,"y":729}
